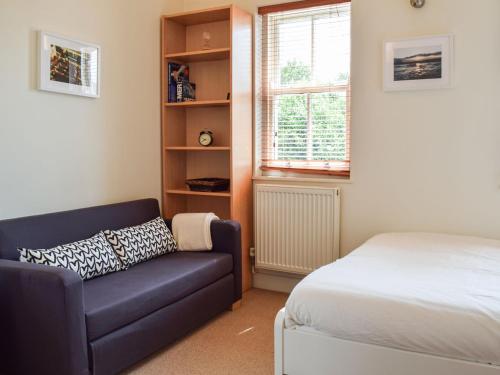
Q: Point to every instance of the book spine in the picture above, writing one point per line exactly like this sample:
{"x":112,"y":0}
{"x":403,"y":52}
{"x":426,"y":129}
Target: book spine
{"x":171,"y":92}
{"x":179,"y":96}
{"x":169,"y":86}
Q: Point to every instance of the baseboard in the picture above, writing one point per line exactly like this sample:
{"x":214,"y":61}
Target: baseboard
{"x":275,"y":281}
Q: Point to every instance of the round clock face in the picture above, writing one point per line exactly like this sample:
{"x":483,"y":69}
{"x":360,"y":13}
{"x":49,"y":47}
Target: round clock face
{"x":205,"y":139}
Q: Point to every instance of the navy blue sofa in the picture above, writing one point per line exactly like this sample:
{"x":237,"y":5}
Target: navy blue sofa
{"x":52,"y":322}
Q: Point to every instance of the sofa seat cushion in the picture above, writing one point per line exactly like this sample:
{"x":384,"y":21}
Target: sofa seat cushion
{"x":117,"y":299}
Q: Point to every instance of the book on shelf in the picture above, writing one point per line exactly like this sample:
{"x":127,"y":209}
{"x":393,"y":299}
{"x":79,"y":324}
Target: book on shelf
{"x":185,"y":91}
{"x":174,"y":71}
{"x":179,"y":87}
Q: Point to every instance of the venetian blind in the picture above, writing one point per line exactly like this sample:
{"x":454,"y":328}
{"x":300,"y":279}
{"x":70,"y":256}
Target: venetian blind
{"x":304,"y":89}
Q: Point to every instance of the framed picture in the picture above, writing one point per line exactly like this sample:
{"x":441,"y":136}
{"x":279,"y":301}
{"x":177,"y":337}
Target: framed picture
{"x":418,"y":63}
{"x":69,"y":66}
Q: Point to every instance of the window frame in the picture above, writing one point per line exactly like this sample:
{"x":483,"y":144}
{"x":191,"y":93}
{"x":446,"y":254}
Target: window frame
{"x":319,"y":167}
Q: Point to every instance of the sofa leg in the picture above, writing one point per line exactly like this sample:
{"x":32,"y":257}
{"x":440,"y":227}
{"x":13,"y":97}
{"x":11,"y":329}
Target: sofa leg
{"x":235,"y":305}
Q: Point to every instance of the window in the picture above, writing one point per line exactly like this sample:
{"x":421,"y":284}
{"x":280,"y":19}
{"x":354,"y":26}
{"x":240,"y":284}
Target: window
{"x":305,"y":90}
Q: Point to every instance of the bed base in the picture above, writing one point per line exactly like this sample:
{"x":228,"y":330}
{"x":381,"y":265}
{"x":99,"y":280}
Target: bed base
{"x":305,"y":353}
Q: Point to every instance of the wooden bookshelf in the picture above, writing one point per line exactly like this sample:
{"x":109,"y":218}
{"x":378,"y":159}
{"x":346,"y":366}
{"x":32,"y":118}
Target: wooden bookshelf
{"x":225,"y":67}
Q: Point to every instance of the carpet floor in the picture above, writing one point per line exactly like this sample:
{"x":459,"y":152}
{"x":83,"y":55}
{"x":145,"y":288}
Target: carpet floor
{"x":237,"y":342}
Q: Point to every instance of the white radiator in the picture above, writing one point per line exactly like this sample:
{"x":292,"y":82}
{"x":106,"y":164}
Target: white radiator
{"x":296,"y":228}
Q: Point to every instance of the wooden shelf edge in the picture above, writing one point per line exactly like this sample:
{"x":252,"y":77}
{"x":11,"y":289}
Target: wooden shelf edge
{"x":202,"y":55}
{"x":199,"y":193}
{"x":199,"y":103}
{"x":196,"y":148}
{"x":196,"y":17}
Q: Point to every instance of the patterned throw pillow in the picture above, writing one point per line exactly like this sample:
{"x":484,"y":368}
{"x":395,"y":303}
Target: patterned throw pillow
{"x":142,"y":242}
{"x":89,"y":258}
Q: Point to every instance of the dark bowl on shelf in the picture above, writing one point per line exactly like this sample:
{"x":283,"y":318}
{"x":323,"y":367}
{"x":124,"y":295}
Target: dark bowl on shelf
{"x":209,"y":184}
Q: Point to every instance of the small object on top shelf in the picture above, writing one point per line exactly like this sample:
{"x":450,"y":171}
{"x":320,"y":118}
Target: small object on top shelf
{"x":210,"y":184}
{"x":206,"y":138}
{"x":228,"y":96}
{"x":206,"y":40}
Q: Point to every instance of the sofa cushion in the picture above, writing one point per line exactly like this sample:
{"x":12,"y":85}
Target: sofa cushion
{"x":142,"y":242}
{"x":88,"y":258}
{"x":118,"y":299}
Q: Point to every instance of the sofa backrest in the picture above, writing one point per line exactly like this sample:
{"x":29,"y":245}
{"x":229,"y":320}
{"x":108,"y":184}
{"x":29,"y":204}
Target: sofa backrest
{"x":49,"y":230}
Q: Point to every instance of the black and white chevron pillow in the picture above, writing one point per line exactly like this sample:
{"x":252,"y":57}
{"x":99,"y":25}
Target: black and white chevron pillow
{"x":142,"y":242}
{"x":89,"y":258}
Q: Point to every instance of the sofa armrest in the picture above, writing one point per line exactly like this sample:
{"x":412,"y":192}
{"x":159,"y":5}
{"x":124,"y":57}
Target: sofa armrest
{"x":42,"y":320}
{"x":226,"y":238}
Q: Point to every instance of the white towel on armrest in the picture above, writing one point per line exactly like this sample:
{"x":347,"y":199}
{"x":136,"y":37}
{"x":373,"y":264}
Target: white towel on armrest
{"x":192,"y":231}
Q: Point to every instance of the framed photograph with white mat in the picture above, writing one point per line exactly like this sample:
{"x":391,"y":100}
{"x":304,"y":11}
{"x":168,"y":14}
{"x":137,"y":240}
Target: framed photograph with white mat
{"x":418,"y":63}
{"x":69,"y":66}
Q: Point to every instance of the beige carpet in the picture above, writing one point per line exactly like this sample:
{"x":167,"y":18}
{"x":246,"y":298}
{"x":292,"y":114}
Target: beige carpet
{"x":237,"y":342}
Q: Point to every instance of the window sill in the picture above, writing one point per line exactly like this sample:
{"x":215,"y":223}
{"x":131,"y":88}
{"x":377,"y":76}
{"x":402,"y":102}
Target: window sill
{"x":332,"y":180}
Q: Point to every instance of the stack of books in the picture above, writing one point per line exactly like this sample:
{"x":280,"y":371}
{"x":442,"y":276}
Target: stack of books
{"x":179,"y":87}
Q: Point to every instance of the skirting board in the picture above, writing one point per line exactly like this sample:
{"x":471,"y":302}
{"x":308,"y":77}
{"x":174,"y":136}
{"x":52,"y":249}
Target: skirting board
{"x":274,"y":281}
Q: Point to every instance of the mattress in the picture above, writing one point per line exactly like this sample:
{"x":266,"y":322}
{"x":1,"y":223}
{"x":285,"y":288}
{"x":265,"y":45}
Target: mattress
{"x":429,"y":293}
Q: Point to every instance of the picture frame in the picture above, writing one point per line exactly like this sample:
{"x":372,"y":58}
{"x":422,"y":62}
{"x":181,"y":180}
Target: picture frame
{"x":68,"y":66}
{"x":422,"y":63}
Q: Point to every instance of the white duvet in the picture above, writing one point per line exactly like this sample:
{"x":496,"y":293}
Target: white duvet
{"x":428,"y":293}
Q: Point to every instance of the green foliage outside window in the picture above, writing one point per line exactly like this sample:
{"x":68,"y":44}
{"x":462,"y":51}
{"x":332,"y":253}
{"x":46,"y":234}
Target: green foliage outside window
{"x":328,"y":116}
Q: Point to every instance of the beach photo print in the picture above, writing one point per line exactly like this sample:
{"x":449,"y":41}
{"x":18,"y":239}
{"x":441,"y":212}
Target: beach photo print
{"x":418,"y":63}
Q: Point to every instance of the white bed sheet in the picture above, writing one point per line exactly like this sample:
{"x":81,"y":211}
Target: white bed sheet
{"x":428,"y":293}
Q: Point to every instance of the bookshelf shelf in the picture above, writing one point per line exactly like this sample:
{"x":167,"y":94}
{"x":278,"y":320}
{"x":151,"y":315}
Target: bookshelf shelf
{"x":203,"y":55}
{"x":201,"y":17}
{"x":200,"y":103}
{"x":196,"y":148}
{"x":225,"y":68}
{"x":225,"y":194}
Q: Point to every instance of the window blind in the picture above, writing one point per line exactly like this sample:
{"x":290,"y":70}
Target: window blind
{"x":305,"y":89}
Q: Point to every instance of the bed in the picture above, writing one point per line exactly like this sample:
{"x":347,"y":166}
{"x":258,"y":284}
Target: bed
{"x":402,"y":303}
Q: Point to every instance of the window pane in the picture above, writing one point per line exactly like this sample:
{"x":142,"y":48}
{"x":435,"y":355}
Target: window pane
{"x":291,"y":131}
{"x":331,"y":48}
{"x":295,"y":53}
{"x":328,"y":111}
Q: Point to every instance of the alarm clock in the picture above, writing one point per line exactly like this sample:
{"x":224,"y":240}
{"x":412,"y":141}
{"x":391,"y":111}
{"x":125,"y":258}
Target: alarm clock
{"x":206,"y":138}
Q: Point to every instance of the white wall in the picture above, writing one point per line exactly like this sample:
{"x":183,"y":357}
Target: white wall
{"x":60,"y":151}
{"x":425,"y":161}
{"x":422,"y":160}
